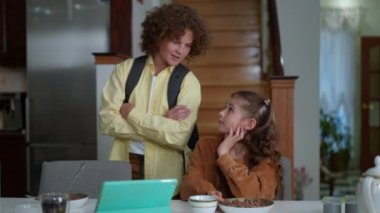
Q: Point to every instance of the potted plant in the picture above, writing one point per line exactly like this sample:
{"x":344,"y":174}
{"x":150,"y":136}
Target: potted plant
{"x":335,"y":141}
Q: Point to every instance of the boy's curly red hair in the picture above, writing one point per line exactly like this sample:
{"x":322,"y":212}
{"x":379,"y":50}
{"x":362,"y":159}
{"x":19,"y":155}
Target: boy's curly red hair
{"x":171,"y":21}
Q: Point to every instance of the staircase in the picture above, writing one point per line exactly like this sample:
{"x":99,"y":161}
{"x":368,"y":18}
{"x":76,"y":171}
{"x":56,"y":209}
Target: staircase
{"x":233,"y":61}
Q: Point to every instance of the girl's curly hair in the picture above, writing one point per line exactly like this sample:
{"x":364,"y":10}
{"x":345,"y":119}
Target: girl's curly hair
{"x":262,"y":140}
{"x":171,"y":21}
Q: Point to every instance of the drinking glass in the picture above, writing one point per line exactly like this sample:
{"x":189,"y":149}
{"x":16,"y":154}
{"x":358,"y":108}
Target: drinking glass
{"x":332,"y":204}
{"x":350,"y":205}
{"x":54,"y":202}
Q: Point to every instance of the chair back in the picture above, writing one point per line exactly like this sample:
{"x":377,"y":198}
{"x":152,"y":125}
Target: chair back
{"x":287,"y":177}
{"x":286,"y":167}
{"x":86,"y":176}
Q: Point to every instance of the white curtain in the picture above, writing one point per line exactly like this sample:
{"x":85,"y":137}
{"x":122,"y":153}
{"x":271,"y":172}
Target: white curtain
{"x":338,"y":63}
{"x":338,"y":19}
{"x":337,"y":72}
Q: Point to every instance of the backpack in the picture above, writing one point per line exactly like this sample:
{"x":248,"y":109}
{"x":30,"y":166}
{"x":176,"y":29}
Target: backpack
{"x":174,"y":86}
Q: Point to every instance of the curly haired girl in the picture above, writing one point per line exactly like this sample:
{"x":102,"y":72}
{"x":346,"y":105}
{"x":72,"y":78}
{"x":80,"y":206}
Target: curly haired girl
{"x":245,"y":162}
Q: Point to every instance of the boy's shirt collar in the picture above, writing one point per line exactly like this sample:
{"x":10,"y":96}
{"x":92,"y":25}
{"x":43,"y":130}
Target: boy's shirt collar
{"x":152,"y":67}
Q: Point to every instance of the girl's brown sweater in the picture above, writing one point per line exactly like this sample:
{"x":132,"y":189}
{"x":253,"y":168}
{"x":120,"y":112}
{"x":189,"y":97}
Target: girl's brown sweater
{"x":208,"y":172}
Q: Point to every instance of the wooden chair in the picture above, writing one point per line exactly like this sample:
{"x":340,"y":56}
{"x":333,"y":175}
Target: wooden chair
{"x":286,"y":167}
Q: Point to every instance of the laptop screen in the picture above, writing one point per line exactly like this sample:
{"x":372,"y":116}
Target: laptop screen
{"x":137,"y":196}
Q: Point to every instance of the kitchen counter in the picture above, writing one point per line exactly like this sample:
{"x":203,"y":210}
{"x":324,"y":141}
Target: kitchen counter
{"x":7,"y":205}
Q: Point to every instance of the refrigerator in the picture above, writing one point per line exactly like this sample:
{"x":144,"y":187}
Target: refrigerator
{"x":61,"y":103}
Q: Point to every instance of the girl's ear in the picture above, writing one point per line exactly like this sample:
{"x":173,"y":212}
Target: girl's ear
{"x":250,"y":123}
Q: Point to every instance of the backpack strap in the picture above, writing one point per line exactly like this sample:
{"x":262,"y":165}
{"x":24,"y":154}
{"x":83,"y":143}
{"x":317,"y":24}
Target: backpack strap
{"x":174,"y":86}
{"x":175,"y":82}
{"x":134,"y":76}
{"x":194,"y":137}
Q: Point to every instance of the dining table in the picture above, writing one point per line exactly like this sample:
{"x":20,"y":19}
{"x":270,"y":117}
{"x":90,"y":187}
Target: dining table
{"x":9,"y":205}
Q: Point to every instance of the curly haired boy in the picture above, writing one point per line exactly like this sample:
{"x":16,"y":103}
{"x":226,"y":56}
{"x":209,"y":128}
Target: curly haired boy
{"x":145,"y":131}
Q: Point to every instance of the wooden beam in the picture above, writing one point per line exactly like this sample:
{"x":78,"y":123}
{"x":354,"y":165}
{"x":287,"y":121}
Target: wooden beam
{"x":282,"y":95}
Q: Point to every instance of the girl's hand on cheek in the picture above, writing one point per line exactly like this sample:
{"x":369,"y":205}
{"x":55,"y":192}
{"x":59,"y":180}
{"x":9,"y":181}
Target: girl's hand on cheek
{"x":230,"y":140}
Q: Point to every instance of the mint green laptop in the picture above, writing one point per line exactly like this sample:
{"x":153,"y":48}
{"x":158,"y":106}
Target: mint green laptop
{"x":136,"y":196}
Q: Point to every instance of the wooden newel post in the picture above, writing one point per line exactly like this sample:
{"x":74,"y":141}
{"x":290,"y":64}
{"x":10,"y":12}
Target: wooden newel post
{"x":282,"y":95}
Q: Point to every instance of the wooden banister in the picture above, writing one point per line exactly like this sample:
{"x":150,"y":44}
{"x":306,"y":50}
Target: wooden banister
{"x":109,"y":58}
{"x":275,"y":42}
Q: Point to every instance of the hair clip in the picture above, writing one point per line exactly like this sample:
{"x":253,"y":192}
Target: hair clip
{"x":267,"y":102}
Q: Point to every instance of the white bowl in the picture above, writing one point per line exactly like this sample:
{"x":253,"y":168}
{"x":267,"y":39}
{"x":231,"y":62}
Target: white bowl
{"x":203,"y":203}
{"x":77,"y":200}
{"x":266,"y":206}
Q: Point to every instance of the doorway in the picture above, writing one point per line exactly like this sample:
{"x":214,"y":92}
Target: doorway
{"x":370,"y":101}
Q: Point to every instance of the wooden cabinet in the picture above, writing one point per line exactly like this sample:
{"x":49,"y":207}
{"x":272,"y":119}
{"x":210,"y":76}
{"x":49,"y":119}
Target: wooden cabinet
{"x":120,"y":26}
{"x":13,"y":33}
{"x":13,"y":164}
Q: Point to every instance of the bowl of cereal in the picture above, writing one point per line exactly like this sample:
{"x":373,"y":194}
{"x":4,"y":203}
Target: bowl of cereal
{"x":246,"y":205}
{"x":77,"y":199}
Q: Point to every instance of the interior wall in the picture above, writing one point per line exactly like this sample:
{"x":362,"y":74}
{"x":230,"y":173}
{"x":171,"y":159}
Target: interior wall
{"x":299,"y":29}
{"x":370,"y":13}
{"x":340,"y":3}
{"x":139,"y":11}
{"x":370,"y":18}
